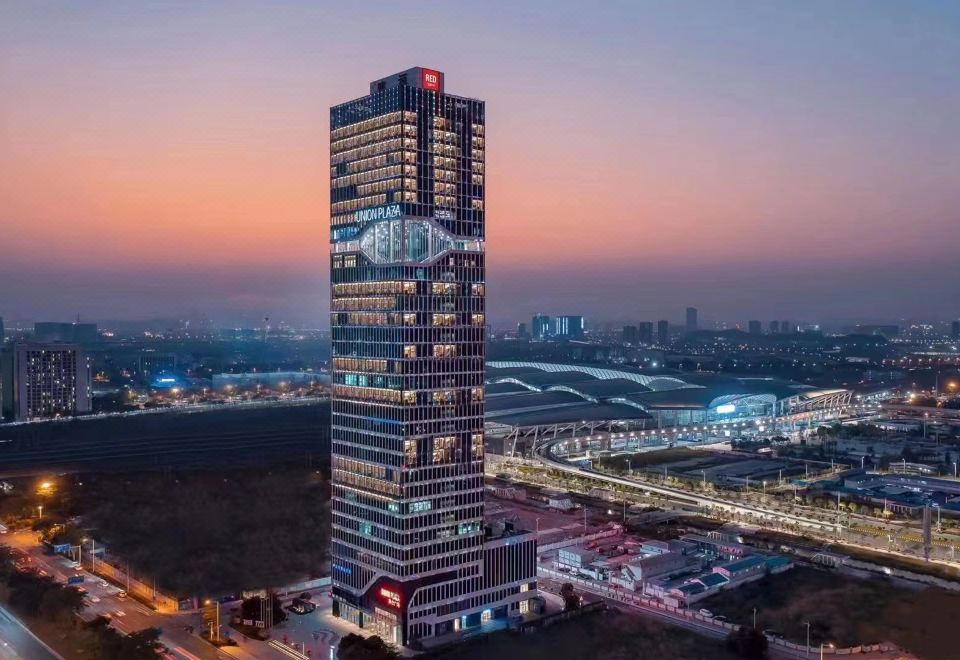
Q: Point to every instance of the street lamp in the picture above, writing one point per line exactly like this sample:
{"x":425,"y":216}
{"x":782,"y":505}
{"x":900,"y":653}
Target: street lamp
{"x":822,"y":645}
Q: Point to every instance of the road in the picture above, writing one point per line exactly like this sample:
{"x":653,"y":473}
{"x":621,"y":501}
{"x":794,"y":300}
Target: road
{"x":129,"y":615}
{"x":18,"y":643}
{"x":818,"y":523}
{"x":545,"y":456}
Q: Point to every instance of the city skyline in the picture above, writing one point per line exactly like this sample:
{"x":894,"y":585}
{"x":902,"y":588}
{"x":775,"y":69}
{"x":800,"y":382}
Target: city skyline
{"x":753,"y":161}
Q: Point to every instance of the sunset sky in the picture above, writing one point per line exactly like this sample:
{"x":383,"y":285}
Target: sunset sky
{"x":754,"y":159}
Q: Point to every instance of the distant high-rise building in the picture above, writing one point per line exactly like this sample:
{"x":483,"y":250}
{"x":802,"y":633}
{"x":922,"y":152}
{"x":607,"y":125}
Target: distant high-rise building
{"x":2,"y":331}
{"x":570,"y":327}
{"x":755,"y":327}
{"x":540,"y":326}
{"x":521,"y":329}
{"x":663,"y":332}
{"x":44,"y":381}
{"x":73,"y":333}
{"x":645,"y":332}
{"x":955,"y":329}
{"x":691,"y":320}
{"x":785,"y":328}
{"x":411,"y":554}
{"x":630,"y":334}
{"x":774,"y":327}
{"x":150,"y":363}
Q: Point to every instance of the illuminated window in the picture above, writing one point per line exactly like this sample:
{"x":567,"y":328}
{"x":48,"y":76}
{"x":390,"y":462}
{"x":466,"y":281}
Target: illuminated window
{"x":445,"y":288}
{"x":417,"y":507}
{"x":410,"y":351}
{"x":444,"y":350}
{"x":444,"y":449}
{"x":444,"y":397}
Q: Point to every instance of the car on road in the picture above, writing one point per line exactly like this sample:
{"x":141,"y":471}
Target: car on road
{"x":94,"y":599}
{"x":706,"y":612}
{"x":120,"y":613}
{"x":121,"y":594}
{"x":103,"y":583}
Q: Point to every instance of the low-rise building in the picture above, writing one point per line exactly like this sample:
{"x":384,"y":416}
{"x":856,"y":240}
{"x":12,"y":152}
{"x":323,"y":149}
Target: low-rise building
{"x":717,"y":547}
{"x":743,"y":569}
{"x":635,"y":575}
{"x":558,"y":499}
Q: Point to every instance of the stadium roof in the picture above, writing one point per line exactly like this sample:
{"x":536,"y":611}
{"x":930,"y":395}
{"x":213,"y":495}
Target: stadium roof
{"x":585,"y":412}
{"x":539,"y":393}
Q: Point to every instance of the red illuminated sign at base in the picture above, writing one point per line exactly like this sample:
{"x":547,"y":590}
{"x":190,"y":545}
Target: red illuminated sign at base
{"x":391,"y":598}
{"x":430,"y":79}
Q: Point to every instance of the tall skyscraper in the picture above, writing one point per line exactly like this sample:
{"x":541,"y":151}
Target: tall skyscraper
{"x":522,"y":330}
{"x":755,"y":327}
{"x":630,"y":335}
{"x":691,"y":320}
{"x":73,"y":333}
{"x":645,"y":332}
{"x":774,"y":327}
{"x":570,"y":327}
{"x":785,"y":327}
{"x":2,"y":331}
{"x":412,"y":557}
{"x":663,"y":332}
{"x":44,"y":381}
{"x":955,"y":329}
{"x":540,"y":326}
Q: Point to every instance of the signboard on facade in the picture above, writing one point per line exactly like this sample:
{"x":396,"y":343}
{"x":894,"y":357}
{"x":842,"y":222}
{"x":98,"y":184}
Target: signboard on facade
{"x":430,"y":79}
{"x":377,"y":213}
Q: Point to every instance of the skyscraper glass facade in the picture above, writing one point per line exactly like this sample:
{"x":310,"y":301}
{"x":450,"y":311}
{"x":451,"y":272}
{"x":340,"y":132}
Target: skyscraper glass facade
{"x":407,"y":316}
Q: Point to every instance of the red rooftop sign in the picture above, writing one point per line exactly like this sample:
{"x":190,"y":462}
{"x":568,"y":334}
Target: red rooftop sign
{"x":430,"y":79}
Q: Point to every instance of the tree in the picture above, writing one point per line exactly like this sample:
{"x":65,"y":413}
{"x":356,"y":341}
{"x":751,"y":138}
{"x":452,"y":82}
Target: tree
{"x":748,"y":643}
{"x":7,"y":567}
{"x":355,"y":647}
{"x":106,"y":643}
{"x":60,"y":602}
{"x":571,"y":599}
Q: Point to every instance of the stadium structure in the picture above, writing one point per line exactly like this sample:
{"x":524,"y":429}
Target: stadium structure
{"x":527,"y":401}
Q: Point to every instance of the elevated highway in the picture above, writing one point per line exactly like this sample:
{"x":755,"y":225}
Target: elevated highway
{"x":544,"y":455}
